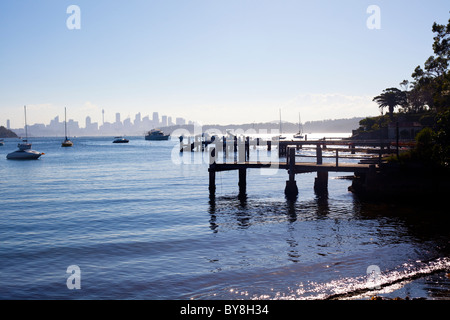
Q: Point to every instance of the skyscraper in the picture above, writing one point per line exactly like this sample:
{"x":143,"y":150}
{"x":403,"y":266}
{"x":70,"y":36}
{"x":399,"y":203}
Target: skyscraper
{"x":137,"y":119}
{"x":155,"y":118}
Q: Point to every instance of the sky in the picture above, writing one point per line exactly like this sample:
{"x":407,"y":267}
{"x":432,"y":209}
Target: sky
{"x":210,"y":61}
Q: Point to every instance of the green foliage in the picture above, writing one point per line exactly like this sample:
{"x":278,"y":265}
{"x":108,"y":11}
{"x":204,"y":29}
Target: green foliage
{"x":424,"y":146}
{"x":442,"y":138}
{"x":430,"y":88}
{"x":390,"y":98}
{"x":431,"y":84}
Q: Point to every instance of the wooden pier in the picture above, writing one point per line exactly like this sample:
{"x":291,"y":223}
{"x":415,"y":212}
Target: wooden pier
{"x":287,"y":161}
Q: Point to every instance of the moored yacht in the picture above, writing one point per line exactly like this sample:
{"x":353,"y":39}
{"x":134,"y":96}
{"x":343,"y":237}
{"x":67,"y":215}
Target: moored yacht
{"x":299,"y":134}
{"x":24,"y":152}
{"x":66,"y":143}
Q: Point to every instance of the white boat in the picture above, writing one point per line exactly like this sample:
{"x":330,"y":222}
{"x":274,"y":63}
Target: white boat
{"x":280,"y":137}
{"x":299,"y":134}
{"x":2,"y":142}
{"x":24,"y":152}
{"x":66,"y":143}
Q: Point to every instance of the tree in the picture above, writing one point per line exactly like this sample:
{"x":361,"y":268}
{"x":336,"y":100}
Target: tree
{"x":442,"y":138}
{"x":391,"y":98}
{"x":431,"y":85}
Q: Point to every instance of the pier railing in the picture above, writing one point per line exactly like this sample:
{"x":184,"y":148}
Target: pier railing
{"x":340,"y":150}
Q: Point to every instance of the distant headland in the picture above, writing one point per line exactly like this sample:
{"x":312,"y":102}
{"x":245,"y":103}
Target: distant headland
{"x":5,"y":133}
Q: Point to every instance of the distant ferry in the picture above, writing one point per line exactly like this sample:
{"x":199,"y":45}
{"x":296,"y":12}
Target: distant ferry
{"x":156,"y":134}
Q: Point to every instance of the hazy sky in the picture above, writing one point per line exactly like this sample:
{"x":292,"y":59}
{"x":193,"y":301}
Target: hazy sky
{"x":212,"y":61}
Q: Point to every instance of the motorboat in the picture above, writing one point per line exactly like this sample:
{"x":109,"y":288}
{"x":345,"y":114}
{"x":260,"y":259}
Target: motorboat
{"x":25,"y":152}
{"x":156,"y":134}
{"x":120,"y":140}
{"x":2,"y":142}
{"x":66,"y":143}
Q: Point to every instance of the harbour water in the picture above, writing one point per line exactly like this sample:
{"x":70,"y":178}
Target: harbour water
{"x":140,"y":225}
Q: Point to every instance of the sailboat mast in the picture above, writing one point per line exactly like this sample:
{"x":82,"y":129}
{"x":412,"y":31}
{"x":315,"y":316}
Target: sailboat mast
{"x":26,"y":127}
{"x":299,"y":123}
{"x":280,"y":122}
{"x":65,"y":122}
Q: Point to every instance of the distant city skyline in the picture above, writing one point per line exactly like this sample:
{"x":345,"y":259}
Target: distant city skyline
{"x":140,"y":125}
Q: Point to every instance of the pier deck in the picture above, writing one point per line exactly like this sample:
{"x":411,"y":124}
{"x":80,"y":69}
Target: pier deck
{"x":368,"y":165}
{"x":299,"y":167}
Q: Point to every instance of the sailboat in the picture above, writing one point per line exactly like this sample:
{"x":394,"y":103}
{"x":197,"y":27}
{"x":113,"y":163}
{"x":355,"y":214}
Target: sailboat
{"x":281,"y":137}
{"x":299,"y":134}
{"x":24,"y":152}
{"x":66,"y":143}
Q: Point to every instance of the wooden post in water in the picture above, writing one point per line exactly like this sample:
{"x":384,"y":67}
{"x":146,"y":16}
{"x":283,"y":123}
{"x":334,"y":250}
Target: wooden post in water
{"x":337,"y":158}
{"x":212,"y":180}
{"x":247,"y":149}
{"x":181,"y":144}
{"x":291,"y":190}
{"x":212,"y":173}
{"x":319,"y":154}
{"x":242,"y":182}
{"x":224,"y":146}
{"x":321,"y":182}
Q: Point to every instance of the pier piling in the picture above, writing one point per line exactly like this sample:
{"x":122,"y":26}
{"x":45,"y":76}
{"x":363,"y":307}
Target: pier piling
{"x":318,"y":154}
{"x":242,"y":182}
{"x":291,"y":190}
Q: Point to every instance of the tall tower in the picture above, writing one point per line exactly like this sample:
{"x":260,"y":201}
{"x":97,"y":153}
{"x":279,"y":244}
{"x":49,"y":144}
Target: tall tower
{"x":156,"y":118}
{"x":103,"y":116}
{"x":137,"y":119}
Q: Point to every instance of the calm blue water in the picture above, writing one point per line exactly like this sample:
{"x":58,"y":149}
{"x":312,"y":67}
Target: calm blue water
{"x":141,"y":226}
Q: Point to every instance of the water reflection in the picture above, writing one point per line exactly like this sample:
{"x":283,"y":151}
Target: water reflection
{"x":338,"y":234}
{"x":323,"y":206}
